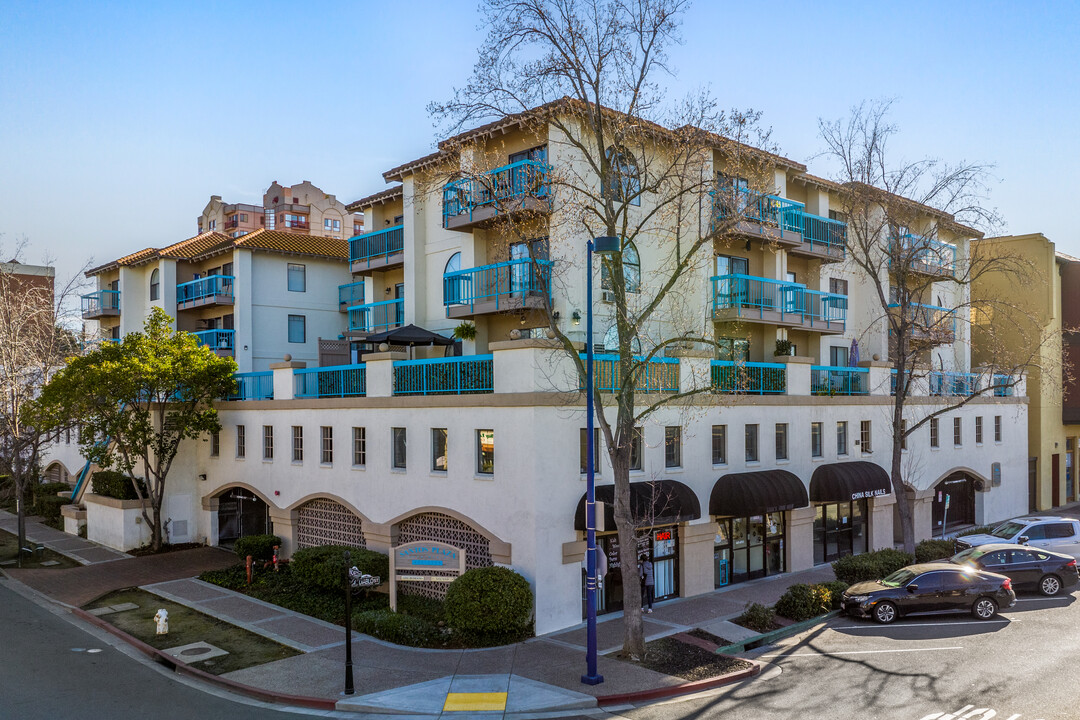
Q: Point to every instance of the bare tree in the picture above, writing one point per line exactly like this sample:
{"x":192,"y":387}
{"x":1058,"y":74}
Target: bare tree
{"x":586,"y":77}
{"x":907,"y":223}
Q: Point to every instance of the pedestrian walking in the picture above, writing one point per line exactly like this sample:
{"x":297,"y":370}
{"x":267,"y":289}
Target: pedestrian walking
{"x":648,"y":581}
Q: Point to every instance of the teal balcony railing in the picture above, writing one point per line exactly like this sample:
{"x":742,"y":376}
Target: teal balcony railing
{"x":521,"y":179}
{"x":821,"y":233}
{"x":377,"y":245}
{"x":753,"y":297}
{"x":209,"y":286}
{"x":832,"y":380}
{"x":930,"y":322}
{"x":335,"y":381}
{"x":376,"y":317}
{"x":659,"y":375}
{"x":953,"y":384}
{"x":101,"y":302}
{"x":351,"y":294}
{"x":445,"y":376}
{"x":502,"y":284}
{"x":216,"y":339}
{"x":732,"y":201}
{"x":1003,"y":386}
{"x":253,"y":386}
{"x":748,"y":378}
{"x":929,"y":255}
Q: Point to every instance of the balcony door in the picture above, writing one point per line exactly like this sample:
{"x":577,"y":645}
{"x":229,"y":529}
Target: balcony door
{"x":522,"y":280}
{"x":399,"y":307}
{"x":731,"y":292}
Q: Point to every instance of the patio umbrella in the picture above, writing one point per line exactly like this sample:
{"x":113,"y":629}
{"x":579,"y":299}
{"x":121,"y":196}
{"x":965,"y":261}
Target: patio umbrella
{"x":853,"y":354}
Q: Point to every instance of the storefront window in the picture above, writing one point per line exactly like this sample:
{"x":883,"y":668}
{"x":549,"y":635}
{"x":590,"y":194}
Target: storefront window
{"x":839,"y":530}
{"x":661,"y":545}
{"x":748,"y":548}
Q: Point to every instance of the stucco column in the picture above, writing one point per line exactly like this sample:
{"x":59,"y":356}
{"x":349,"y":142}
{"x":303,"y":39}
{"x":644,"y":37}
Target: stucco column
{"x":881,"y":522}
{"x":798,"y":373}
{"x":800,"y":539}
{"x":380,"y":372}
{"x":696,"y":557}
{"x":695,"y":369}
{"x":533,"y":365}
{"x":880,"y":376}
{"x":378,"y":536}
{"x":284,"y":523}
{"x":284,"y":387}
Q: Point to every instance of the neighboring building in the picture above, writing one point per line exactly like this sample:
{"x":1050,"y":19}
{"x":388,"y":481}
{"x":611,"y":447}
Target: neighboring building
{"x":778,"y":471}
{"x":1047,"y":314}
{"x":301,"y":208}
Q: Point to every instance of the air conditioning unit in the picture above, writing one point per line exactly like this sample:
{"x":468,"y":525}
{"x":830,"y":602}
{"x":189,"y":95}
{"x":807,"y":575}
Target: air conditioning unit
{"x":607,"y":296}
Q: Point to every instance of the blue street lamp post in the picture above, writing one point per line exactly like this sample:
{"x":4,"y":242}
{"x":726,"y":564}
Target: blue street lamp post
{"x":601,"y":246}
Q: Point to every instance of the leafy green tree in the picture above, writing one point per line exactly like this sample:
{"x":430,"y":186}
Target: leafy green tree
{"x":137,"y":401}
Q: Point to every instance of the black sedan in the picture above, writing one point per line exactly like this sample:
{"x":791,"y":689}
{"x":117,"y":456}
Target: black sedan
{"x":1029,"y":568}
{"x":936,"y":587}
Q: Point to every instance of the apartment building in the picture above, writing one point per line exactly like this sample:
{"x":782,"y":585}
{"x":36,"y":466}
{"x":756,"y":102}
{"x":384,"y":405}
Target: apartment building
{"x":301,"y":208}
{"x":775,"y":466}
{"x":1045,"y":318}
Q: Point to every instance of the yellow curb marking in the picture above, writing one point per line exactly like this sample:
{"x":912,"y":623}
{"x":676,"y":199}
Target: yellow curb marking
{"x":475,"y":702}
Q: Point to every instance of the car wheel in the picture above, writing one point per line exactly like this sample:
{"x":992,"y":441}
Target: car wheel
{"x":885,"y":612}
{"x":984,"y":608}
{"x":1050,"y":585}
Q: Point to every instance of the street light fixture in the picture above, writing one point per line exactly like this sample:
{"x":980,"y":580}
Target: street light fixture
{"x":601,"y":246}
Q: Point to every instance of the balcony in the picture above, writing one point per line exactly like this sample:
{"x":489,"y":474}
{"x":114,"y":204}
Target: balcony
{"x":953,"y":384}
{"x":659,"y":375}
{"x":514,"y":285}
{"x":748,"y":378}
{"x":220,"y":341}
{"x":210,"y":290}
{"x":831,"y":380}
{"x":520,"y":187}
{"x":761,"y":217}
{"x":376,"y":317}
{"x":744,"y":298}
{"x":445,"y":376}
{"x":253,"y":386}
{"x":378,"y":250}
{"x":350,"y":295}
{"x":103,"y":303}
{"x":298,"y":224}
{"x":822,"y":238}
{"x":928,"y":256}
{"x":324,"y":382}
{"x":930,"y":324}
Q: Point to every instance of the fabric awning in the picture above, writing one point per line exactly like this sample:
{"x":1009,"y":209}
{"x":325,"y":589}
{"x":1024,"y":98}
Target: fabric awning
{"x":409,"y":335}
{"x":654,"y":502}
{"x":843,"y":482}
{"x":757,"y":493}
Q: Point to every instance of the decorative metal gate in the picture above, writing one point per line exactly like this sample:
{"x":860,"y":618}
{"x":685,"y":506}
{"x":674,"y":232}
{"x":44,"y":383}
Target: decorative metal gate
{"x":325,"y":522}
{"x":435,"y":526}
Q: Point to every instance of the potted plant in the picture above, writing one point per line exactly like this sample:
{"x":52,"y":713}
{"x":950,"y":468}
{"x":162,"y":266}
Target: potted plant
{"x":783,"y":347}
{"x":465,"y":331}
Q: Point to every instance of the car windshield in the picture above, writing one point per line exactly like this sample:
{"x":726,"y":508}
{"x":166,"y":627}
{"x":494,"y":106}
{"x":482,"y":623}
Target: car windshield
{"x":899,"y":578}
{"x":969,"y":555}
{"x":1007,"y":530}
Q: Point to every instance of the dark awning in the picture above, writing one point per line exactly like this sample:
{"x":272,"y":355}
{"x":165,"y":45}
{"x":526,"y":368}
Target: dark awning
{"x":409,"y":335}
{"x":653,"y":502}
{"x":757,"y":493}
{"x":843,"y":482}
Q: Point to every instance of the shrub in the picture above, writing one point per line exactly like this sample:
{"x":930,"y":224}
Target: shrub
{"x":323,"y":566}
{"x":836,"y":590}
{"x":49,"y":489}
{"x":115,"y":484}
{"x":259,"y":547}
{"x":489,"y":601}
{"x":802,"y":602}
{"x":758,"y":617}
{"x":929,"y":550}
{"x":397,"y":628}
{"x":870,"y":566}
{"x":48,"y":507}
{"x":425,"y":608}
{"x":978,"y":530}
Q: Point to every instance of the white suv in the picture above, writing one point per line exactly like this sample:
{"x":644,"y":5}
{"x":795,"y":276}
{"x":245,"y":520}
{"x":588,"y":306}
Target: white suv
{"x":1059,"y":534}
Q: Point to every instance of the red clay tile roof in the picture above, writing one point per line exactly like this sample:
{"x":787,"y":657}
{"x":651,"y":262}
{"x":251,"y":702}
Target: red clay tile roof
{"x":287,"y":242}
{"x":135,"y":258}
{"x":384,"y":196}
{"x":191,"y":247}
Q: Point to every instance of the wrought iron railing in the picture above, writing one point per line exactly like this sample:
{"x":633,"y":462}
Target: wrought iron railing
{"x":504,"y":283}
{"x":376,"y":317}
{"x":98,"y":302}
{"x":334,"y":381}
{"x":748,"y":378}
{"x":445,"y":376}
{"x":659,"y":375}
{"x":375,"y":245}
{"x":253,"y":386}
{"x":524,"y":178}
{"x":209,"y":286}
{"x":832,"y":380}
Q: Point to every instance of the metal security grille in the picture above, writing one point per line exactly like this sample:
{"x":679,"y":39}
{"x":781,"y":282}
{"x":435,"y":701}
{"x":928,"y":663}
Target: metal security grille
{"x":443,"y":528}
{"x":325,"y":522}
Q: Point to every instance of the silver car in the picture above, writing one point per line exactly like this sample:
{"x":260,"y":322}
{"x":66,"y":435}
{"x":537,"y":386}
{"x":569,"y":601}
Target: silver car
{"x":1058,"y":534}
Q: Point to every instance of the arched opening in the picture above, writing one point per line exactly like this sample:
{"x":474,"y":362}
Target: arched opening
{"x":323,"y":521}
{"x":631,"y":262}
{"x":441,"y":527}
{"x":155,"y":284}
{"x":624,"y":184}
{"x":241,"y":513}
{"x":954,"y":502}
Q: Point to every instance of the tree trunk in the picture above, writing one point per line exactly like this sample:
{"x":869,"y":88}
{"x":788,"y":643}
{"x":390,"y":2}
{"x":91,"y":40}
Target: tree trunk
{"x":155,"y":527}
{"x":634,"y":634}
{"x":20,"y":509}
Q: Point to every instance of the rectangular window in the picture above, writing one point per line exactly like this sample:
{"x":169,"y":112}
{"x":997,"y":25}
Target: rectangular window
{"x":997,"y":428}
{"x":398,"y":448}
{"x":719,"y":444}
{"x":268,"y":442}
{"x":297,"y":328}
{"x":485,"y":452}
{"x":673,"y":446}
{"x":935,"y":440}
{"x":241,"y":450}
{"x":583,"y":452}
{"x":326,"y":442}
{"x":816,"y":445}
{"x":781,"y":441}
{"x":841,"y":438}
{"x":838,"y":286}
{"x":438,"y":449}
{"x":359,"y":447}
{"x":637,"y":450}
{"x":903,"y":434}
{"x":297,"y":277}
{"x":751,"y":437}
{"x":978,"y":430}
{"x":957,"y":432}
{"x":215,"y":444}
{"x":297,"y":443}
{"x":864,"y":436}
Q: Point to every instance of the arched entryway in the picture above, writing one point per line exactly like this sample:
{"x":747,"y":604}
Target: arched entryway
{"x":323,"y":521}
{"x":954,"y":502}
{"x":451,"y":530}
{"x":241,"y":513}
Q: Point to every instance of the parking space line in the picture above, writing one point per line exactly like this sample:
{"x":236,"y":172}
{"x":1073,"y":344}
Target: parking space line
{"x":899,"y":626}
{"x":1044,"y":599}
{"x":860,"y":652}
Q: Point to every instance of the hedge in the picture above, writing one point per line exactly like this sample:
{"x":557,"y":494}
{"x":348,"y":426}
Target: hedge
{"x":836,"y":590}
{"x":758,"y":617}
{"x":977,"y":530}
{"x":48,"y":507}
{"x":929,"y":550}
{"x":870,"y":566}
{"x":115,"y":484}
{"x":489,"y":602}
{"x":323,"y":566}
{"x":397,"y":628}
{"x":259,"y":547}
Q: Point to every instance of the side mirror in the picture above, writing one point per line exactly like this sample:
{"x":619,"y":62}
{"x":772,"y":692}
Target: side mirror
{"x":1023,"y":539}
{"x":912,"y":588}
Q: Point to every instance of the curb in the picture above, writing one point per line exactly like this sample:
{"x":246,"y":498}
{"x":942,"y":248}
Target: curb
{"x":779,"y":634}
{"x":185,"y":669}
{"x":683,"y":689}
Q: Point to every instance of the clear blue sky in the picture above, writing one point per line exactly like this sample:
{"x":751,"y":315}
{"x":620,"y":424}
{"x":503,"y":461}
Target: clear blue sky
{"x":118,"y":120}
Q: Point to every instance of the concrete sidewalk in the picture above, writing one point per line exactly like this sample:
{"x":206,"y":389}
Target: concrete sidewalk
{"x":78,"y":549}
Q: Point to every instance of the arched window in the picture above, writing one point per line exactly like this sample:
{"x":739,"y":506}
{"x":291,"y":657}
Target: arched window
{"x":611,"y":341}
{"x":453,"y":264}
{"x":625,"y":182}
{"x":154,"y":285}
{"x":455,"y":287}
{"x":631,"y":264}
